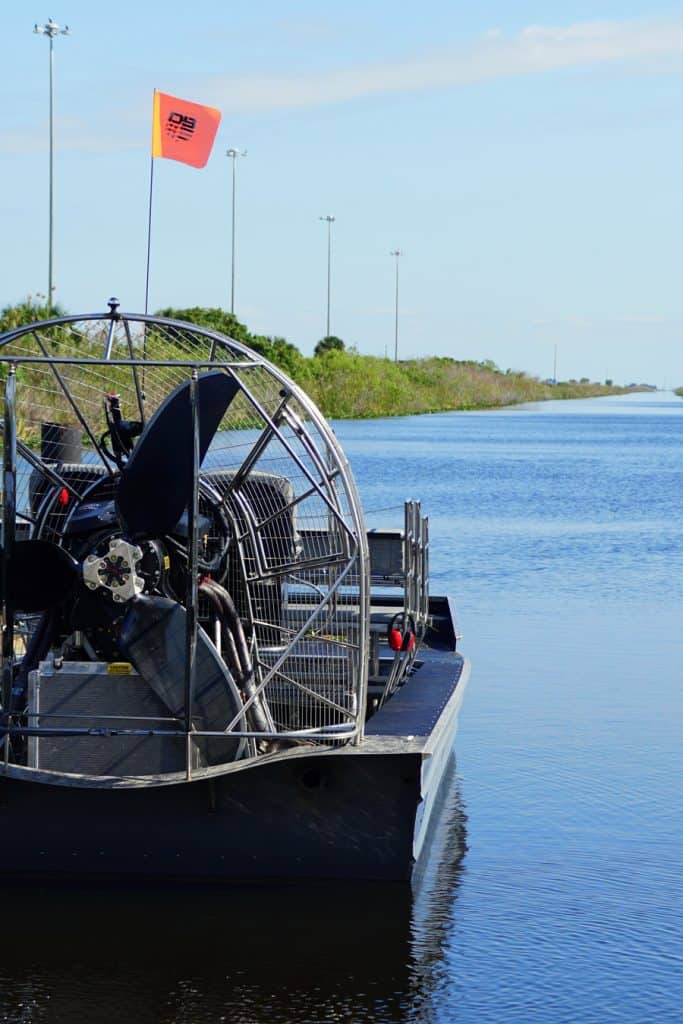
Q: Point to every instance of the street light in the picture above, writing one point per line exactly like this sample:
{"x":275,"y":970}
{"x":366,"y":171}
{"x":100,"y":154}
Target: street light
{"x":51,"y":29}
{"x":330,"y":220}
{"x":397,"y":253}
{"x":233,"y":154}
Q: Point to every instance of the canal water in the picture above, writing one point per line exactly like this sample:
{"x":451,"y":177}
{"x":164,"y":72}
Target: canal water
{"x":553,"y":892}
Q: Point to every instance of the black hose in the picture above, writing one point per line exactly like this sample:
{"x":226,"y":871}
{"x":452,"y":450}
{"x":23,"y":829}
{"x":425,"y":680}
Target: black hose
{"x":235,"y":624}
{"x":232,"y":657}
{"x":232,"y":632}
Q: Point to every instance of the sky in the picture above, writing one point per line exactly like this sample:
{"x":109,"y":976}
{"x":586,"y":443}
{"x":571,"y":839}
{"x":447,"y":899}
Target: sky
{"x":526,"y":158}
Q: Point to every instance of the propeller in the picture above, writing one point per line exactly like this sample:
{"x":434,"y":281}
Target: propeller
{"x":153,"y":637}
{"x":150,"y":500}
{"x":155,"y":482}
{"x":40,"y":575}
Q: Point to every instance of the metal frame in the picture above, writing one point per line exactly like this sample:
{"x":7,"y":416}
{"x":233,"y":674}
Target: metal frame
{"x":9,"y":511}
{"x":415,"y":579}
{"x":416,"y":565}
{"x":327,"y":475}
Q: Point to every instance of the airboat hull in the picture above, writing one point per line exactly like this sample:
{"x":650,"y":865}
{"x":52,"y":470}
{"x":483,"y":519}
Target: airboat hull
{"x":210,"y":668}
{"x":358,"y":812}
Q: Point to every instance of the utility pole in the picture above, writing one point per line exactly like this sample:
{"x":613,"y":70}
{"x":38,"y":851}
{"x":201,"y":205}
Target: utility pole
{"x":397,"y":253}
{"x":51,"y":29}
{"x":233,"y":154}
{"x":330,"y":220}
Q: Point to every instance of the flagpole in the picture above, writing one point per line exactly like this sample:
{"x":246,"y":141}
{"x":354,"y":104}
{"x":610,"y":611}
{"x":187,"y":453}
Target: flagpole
{"x":149,"y":232}
{"x":189,"y":132}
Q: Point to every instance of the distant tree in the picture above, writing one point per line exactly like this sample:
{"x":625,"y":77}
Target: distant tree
{"x":27,"y":312}
{"x":281,"y":352}
{"x":609,"y":382}
{"x":275,"y":350}
{"x":211,"y":317}
{"x":330,"y":343}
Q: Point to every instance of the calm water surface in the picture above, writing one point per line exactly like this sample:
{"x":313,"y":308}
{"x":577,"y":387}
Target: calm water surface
{"x":554,"y":890}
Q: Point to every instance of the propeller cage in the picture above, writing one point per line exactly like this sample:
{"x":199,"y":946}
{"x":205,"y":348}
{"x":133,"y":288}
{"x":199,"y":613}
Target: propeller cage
{"x":253,"y":499}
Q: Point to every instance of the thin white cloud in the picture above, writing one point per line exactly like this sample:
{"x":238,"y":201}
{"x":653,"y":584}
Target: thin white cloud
{"x":644,"y":45}
{"x":534,"y":50}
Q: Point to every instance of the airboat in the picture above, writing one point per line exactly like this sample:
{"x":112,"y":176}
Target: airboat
{"x":211,"y":669}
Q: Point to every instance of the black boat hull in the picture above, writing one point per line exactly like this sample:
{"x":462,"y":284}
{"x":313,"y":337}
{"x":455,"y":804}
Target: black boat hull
{"x":354,"y":813}
{"x":313,"y":817}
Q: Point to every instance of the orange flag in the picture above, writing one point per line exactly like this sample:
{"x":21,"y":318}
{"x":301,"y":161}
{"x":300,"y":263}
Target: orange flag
{"x":182,"y":130}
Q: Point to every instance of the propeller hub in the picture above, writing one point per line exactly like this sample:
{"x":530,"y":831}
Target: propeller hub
{"x":116,"y":571}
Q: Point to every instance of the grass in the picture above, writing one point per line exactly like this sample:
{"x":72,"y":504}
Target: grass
{"x":349,"y":386}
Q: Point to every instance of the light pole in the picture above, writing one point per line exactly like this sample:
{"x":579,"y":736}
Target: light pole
{"x":51,"y":29}
{"x":233,"y":154}
{"x":330,"y":220}
{"x":397,"y":253}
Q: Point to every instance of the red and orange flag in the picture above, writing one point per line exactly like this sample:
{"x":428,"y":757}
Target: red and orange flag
{"x":182,"y":130}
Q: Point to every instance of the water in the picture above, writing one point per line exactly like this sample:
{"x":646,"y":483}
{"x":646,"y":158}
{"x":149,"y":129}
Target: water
{"x":554,"y":889}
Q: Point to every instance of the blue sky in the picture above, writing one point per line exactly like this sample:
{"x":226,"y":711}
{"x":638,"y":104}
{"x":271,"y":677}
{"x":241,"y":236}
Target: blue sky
{"x":527,"y":158}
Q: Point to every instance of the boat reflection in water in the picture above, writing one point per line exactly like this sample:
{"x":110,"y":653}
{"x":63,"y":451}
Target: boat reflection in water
{"x":313,"y":952}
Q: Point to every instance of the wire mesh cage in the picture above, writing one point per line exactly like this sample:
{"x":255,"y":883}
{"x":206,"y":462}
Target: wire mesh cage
{"x":266,"y":560}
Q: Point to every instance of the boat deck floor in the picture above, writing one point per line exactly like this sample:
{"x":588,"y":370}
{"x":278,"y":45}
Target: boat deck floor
{"x":416,"y":707}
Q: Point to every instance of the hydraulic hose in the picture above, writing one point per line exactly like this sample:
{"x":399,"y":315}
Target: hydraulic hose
{"x":237,"y":649}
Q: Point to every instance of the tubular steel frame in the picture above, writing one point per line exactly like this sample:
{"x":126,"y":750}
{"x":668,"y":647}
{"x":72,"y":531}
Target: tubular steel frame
{"x":332,"y":472}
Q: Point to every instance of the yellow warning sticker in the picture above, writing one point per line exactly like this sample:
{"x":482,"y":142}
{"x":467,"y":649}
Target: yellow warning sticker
{"x":167,"y":562}
{"x":119,"y":668}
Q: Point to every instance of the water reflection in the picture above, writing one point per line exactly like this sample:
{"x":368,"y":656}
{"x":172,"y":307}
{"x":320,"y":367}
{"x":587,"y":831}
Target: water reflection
{"x":318,"y":952}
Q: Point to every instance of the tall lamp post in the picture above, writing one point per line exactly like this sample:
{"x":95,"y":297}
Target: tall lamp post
{"x":397,"y":253}
{"x":233,"y":154}
{"x":51,"y":29}
{"x":330,"y":220}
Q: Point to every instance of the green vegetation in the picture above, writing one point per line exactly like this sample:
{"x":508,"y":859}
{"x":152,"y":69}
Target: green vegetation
{"x":347,"y":385}
{"x":679,"y":392}
{"x":27,"y":312}
{"x":276,"y":350}
{"x":328,"y":344}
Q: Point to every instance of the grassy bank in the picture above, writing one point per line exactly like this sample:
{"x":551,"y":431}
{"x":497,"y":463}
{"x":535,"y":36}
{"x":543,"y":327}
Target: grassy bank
{"x":346,"y":384}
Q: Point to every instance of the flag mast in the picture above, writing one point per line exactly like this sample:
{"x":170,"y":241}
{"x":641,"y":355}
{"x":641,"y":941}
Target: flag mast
{"x":151,"y":188}
{"x":182,"y":131}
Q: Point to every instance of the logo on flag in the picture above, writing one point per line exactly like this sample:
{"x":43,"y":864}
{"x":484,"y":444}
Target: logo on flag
{"x":180,"y":126}
{"x":182,"y":130}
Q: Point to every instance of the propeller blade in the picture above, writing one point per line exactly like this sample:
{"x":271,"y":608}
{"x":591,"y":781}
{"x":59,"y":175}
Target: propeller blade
{"x":40,"y":575}
{"x":153,"y":638}
{"x":154,"y":488}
